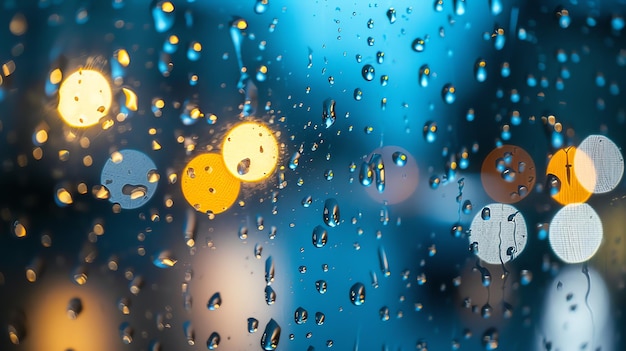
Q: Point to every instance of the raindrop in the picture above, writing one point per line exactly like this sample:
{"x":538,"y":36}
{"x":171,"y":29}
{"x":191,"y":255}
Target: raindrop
{"x":163,"y":16}
{"x":270,"y":295}
{"x":261,"y":6}
{"x":320,"y":236}
{"x":399,"y":158}
{"x":467,"y":207}
{"x":328,"y":112}
{"x":301,"y":315}
{"x":258,"y":251}
{"x":480,"y":70}
{"x":384,"y":313}
{"x":269,"y":270}
{"x":490,"y":339}
{"x":368,"y":72}
{"x":424,"y":76}
{"x":213,"y":341}
{"x":126,"y":333}
{"x":553,"y":184}
{"x":330,"y":213}
{"x":358,"y":94}
{"x":253,"y":325}
{"x":215,"y":302}
{"x":307,"y":201}
{"x":434,"y":182}
{"x":448,"y":93}
{"x":430,"y":131}
{"x":380,"y":57}
{"x":486,"y":311}
{"x":319,"y":318}
{"x":485,"y":214}
{"x":321,"y":286}
{"x":384,"y":263}
{"x":271,"y":336}
{"x":243,"y":167}
{"x":419,"y":45}
{"x":391,"y":15}
{"x":74,"y":308}
{"x":190,"y":334}
{"x":357,"y":294}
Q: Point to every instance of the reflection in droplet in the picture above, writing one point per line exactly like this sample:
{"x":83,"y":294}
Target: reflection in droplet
{"x":328,"y":113}
{"x":253,"y":325}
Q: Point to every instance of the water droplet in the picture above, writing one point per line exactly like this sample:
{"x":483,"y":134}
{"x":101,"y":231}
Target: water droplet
{"x":215,"y":302}
{"x":526,"y":277}
{"x":380,"y":57}
{"x":270,"y":295}
{"x":328,"y":112}
{"x":358,"y":94}
{"x":485,"y":214}
{"x":459,"y":7}
{"x":467,"y":207}
{"x":399,"y":158}
{"x":424,"y":76}
{"x":553,"y":184}
{"x":213,"y":341}
{"x":562,"y":15}
{"x":19,"y":229}
{"x":253,"y":325}
{"x":74,"y":308}
{"x":448,"y":93}
{"x":307,"y":201}
{"x":370,"y":23}
{"x":486,"y":311}
{"x":490,"y":339}
{"x":319,"y":318}
{"x":271,"y":336}
{"x":384,"y":263}
{"x":508,"y":175}
{"x":163,"y":16}
{"x":126,"y":333}
{"x":384,"y":313}
{"x":434,"y":182}
{"x":480,"y":70}
{"x":320,"y":236}
{"x":368,"y":72}
{"x":357,"y":294}
{"x":430,"y":131}
{"x":438,"y":5}
{"x":418,"y":45}
{"x":495,"y":6}
{"x":243,"y":167}
{"x":330,"y":213}
{"x":321,"y":286}
{"x":301,"y":315}
{"x":164,"y":260}
{"x":258,"y":251}
{"x":391,"y":15}
{"x":269,"y":270}
{"x":261,"y":6}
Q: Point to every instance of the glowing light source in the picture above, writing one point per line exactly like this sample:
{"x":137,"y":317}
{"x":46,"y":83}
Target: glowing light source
{"x":207,"y":185}
{"x":575,"y":233}
{"x":607,"y":160}
{"x":499,"y":233}
{"x":564,"y":181}
{"x":250,"y":151}
{"x":84,"y":98}
{"x":508,"y":174}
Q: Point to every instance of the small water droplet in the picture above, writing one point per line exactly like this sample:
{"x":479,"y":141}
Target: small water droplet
{"x":418,"y":45}
{"x":270,"y":295}
{"x":213,"y":341}
{"x":328,"y":112}
{"x":424,"y":76}
{"x":271,"y":336}
{"x":399,"y":158}
{"x":384,"y":313}
{"x":448,"y":93}
{"x":301,"y":315}
{"x":490,"y":338}
{"x":269,"y":270}
{"x":243,"y":167}
{"x":321,"y":286}
{"x":485,"y":214}
{"x":330,"y":213}
{"x":320,"y":236}
{"x":215,"y":302}
{"x":253,"y":325}
{"x":391,"y":15}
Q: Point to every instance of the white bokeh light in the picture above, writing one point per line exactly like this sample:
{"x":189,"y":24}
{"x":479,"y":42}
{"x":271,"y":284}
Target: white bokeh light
{"x":575,"y":233}
{"x":608,"y":163}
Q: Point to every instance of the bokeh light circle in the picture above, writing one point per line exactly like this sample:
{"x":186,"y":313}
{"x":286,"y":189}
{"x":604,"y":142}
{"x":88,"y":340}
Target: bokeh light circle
{"x":575,"y":233}
{"x":564,"y":181}
{"x":401,"y":175}
{"x":508,"y":174}
{"x":207,"y":185}
{"x":500,"y":233}
{"x":131,"y":177}
{"x":608,"y":164}
{"x":250,"y":151}
{"x":84,"y":98}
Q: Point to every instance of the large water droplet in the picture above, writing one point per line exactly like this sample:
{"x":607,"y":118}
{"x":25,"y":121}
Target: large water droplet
{"x":213,"y":341}
{"x":368,"y":72}
{"x":391,"y":15}
{"x":330,"y":213}
{"x":328,"y":112}
{"x":215,"y":301}
{"x":269,"y":270}
{"x":320,"y":236}
{"x":418,"y":45}
{"x":357,"y":294}
{"x":301,"y":315}
{"x":448,"y":93}
{"x":270,"y":295}
{"x":271,"y":336}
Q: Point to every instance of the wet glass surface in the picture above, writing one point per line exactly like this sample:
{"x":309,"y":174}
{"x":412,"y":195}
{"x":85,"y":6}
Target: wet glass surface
{"x":263,"y":174}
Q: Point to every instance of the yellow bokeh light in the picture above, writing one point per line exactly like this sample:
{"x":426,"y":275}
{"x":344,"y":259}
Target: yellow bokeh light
{"x":56,"y":76}
{"x":131,"y":99}
{"x":241,"y":24}
{"x":84,"y":98}
{"x":250,"y":151}
{"x":563,"y":166}
{"x":207,"y":185}
{"x":167,"y":7}
{"x":123,"y":57}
